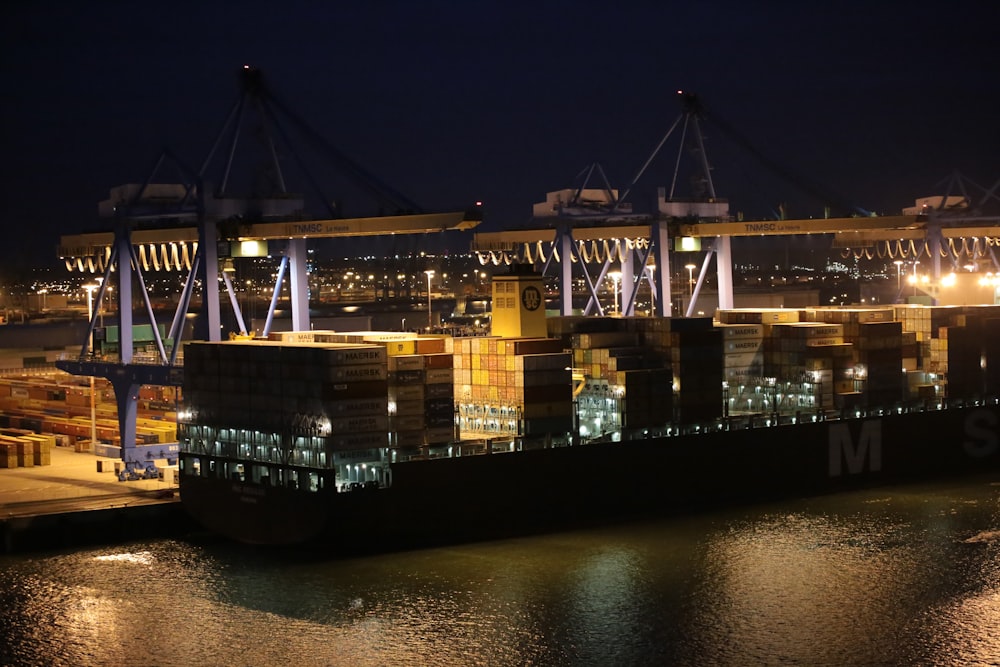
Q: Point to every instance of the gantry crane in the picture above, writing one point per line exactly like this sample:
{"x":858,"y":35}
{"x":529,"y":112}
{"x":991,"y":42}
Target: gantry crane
{"x":192,"y":226}
{"x":605,"y":231}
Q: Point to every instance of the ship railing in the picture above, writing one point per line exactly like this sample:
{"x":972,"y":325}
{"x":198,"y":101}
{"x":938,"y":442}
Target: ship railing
{"x":761,"y":420}
{"x":34,"y":370}
{"x":141,"y":358}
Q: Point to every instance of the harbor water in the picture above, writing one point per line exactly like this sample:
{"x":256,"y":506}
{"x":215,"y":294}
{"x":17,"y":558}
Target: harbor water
{"x":892,"y":576}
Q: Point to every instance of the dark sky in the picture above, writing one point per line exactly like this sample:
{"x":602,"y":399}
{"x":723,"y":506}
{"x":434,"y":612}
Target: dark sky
{"x":452,"y":102}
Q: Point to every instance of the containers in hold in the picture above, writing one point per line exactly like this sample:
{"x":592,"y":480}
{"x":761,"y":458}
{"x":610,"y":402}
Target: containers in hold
{"x":308,"y":396}
{"x":498,"y":381}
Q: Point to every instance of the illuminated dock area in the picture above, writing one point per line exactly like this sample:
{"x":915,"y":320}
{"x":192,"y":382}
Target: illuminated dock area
{"x":69,"y":503}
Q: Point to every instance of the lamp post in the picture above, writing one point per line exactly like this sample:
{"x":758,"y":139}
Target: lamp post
{"x":430,"y":274}
{"x":915,"y":262}
{"x":899,"y":274}
{"x":90,"y":344}
{"x":690,"y":268}
{"x":90,"y":307}
{"x":616,"y":277}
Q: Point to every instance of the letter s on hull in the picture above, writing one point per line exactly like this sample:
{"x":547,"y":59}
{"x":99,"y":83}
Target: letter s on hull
{"x":981,"y":434}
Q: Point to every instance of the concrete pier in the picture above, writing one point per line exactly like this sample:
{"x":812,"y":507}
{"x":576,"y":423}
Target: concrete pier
{"x":69,"y":503}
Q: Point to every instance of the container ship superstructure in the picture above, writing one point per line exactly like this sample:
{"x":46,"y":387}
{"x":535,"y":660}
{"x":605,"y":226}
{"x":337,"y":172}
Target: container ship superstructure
{"x":373,"y":440}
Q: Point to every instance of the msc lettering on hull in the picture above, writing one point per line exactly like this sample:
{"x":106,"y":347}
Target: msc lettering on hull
{"x":862,"y":455}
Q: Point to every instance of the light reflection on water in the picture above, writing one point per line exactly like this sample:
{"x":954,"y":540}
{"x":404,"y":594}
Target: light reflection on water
{"x":901,"y":576}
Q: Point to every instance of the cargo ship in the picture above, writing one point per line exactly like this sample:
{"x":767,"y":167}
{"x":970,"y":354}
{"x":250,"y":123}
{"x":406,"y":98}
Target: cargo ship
{"x":379,"y":440}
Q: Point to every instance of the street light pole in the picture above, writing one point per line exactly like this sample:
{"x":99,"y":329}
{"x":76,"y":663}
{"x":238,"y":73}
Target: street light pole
{"x":90,"y":344}
{"x":899,"y":274}
{"x":430,"y":274}
{"x":690,"y":268}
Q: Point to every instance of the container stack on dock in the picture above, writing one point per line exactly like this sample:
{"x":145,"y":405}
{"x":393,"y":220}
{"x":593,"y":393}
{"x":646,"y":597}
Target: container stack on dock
{"x":510,"y":387}
{"x":60,"y":406}
{"x":20,"y":448}
{"x":8,"y":454}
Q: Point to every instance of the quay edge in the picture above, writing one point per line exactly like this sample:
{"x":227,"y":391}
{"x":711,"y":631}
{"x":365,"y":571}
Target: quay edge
{"x":94,"y":527}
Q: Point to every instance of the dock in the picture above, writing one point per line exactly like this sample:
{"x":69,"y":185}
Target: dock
{"x":69,"y":504}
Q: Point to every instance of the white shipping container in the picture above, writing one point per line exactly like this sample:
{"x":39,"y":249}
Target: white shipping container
{"x":741,"y":331}
{"x":360,"y":372}
{"x":745,"y":345}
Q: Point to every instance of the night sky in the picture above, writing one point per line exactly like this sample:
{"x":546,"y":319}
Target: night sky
{"x":453,"y":102}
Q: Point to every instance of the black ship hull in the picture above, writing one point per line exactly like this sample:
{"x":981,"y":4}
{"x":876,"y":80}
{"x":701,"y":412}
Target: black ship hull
{"x":503,"y":494}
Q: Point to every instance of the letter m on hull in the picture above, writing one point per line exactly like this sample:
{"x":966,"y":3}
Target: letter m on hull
{"x":861,"y":455}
